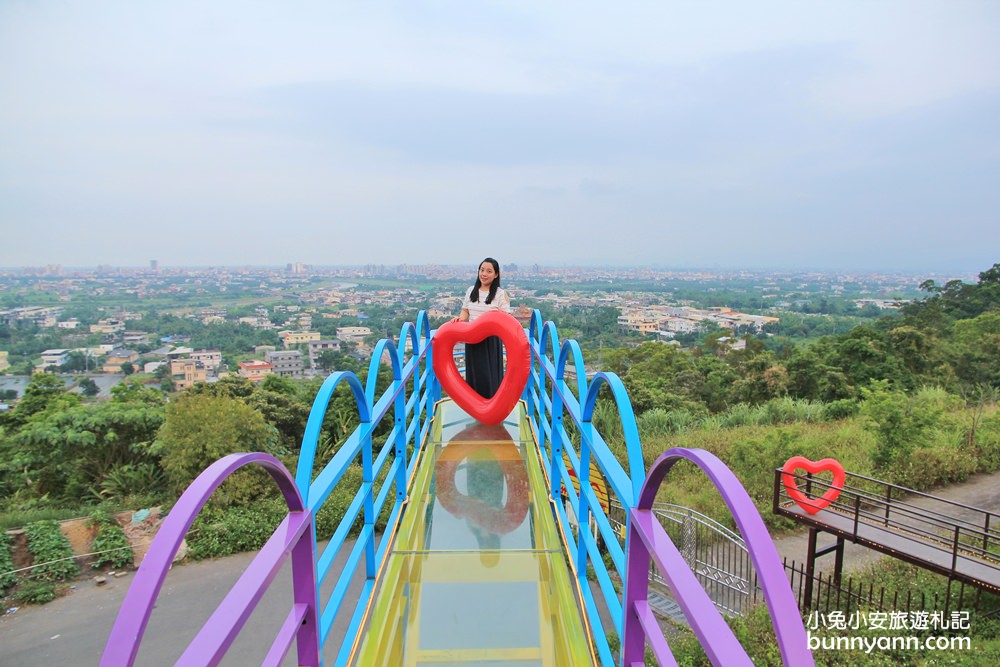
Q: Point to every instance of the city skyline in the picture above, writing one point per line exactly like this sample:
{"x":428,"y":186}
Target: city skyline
{"x":777,"y":136}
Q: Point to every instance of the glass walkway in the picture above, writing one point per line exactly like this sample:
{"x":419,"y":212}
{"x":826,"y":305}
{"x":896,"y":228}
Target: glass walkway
{"x":477,"y":574}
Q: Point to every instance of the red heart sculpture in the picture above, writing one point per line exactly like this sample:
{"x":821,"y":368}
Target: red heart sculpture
{"x":494,"y":323}
{"x":813,"y":505}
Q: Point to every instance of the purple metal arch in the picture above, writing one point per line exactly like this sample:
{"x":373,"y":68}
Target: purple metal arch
{"x":293,"y":535}
{"x":647,"y":540}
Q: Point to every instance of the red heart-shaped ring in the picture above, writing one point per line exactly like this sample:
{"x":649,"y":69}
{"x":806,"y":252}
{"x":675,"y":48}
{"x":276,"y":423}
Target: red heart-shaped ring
{"x":494,"y":323}
{"x":812,"y":505}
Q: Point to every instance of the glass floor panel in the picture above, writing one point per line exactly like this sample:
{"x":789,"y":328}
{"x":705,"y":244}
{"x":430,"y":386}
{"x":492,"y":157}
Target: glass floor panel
{"x":477,"y":574}
{"x":453,"y":424}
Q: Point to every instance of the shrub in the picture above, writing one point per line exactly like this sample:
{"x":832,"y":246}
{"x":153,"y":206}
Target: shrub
{"x":7,"y":576}
{"x":111,"y":544}
{"x":51,"y":552}
{"x":841,"y":409}
{"x":35,"y":592}
{"x":218,"y":532}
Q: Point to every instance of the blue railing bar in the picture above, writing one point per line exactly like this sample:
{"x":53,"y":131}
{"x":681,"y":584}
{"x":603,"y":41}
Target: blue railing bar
{"x":352,"y":629}
{"x":611,"y":596}
{"x":329,"y":477}
{"x":332,"y":606}
{"x":613,"y":472}
{"x":594,"y":616}
{"x":388,"y":447}
{"x":314,"y":424}
{"x":339,"y":537}
{"x":386,"y":487}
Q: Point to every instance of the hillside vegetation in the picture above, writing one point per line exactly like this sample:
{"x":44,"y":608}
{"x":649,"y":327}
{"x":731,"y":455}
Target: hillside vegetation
{"x":910,"y":398}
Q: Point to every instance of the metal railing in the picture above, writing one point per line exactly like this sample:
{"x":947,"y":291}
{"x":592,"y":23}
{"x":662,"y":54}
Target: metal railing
{"x":291,"y":539}
{"x":385,"y":469}
{"x":552,"y":404}
{"x":956,"y":529}
{"x":717,"y":555}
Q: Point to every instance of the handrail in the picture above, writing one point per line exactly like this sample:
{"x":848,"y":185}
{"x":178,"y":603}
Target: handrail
{"x":293,"y":536}
{"x":550,"y":401}
{"x":977,"y":537}
{"x":382,"y":471}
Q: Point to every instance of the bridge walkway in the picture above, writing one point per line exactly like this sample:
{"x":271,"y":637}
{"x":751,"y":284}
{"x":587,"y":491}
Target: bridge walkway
{"x":477,"y":573}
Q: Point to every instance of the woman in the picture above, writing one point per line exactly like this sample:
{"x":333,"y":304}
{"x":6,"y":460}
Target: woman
{"x":484,"y":361}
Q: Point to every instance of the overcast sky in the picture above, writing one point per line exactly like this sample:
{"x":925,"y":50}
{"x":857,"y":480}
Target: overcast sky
{"x":827,"y":135}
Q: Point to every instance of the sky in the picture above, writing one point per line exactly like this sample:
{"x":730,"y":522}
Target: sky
{"x":840,"y":135}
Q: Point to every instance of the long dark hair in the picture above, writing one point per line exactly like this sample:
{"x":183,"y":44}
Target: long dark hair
{"x":493,"y":285}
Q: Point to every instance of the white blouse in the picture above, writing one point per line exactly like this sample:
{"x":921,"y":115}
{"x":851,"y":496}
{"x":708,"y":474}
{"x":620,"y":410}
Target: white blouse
{"x":501,"y":302}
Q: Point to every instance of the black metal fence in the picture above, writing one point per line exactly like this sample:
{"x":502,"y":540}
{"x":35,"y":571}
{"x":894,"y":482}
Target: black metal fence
{"x":859,"y":594}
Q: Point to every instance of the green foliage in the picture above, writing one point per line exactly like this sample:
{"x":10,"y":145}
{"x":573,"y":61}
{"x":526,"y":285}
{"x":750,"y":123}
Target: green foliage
{"x":200,"y":429}
{"x":219,"y":532}
{"x":17,"y":514}
{"x":45,"y":393}
{"x":110,"y":544}
{"x":899,"y":422}
{"x":69,"y":453}
{"x":35,"y":592}
{"x":88,"y":387}
{"x":7,"y":576}
{"x":51,"y":551}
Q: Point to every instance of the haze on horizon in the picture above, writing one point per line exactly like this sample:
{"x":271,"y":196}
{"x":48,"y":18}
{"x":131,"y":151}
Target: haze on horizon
{"x":849,"y":135}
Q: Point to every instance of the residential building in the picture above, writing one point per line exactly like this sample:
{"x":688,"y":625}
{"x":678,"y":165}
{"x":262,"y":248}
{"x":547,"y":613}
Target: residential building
{"x":179,"y":352}
{"x":286,"y":363}
{"x":254,"y":370}
{"x":117,"y":358}
{"x":186,"y":372}
{"x":210,"y":359}
{"x":636,"y":323}
{"x":317,"y":347}
{"x":293,"y":338}
{"x":107,"y":326}
{"x":54,"y":358}
{"x":354,"y":335}
{"x":136,"y":337}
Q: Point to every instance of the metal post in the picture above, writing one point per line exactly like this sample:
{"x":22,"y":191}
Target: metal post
{"x":810,"y":569}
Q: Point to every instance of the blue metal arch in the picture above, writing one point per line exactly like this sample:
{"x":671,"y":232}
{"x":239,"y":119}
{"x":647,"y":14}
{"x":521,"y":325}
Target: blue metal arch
{"x":310,"y":440}
{"x":571,"y":347}
{"x":633,"y":447}
{"x":371,"y":382}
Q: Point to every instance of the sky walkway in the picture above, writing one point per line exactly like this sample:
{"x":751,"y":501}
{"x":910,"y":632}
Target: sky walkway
{"x":477,"y":573}
{"x":472,"y":538}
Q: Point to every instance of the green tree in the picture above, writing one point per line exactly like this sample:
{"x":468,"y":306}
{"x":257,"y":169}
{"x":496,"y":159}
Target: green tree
{"x":69,"y":453}
{"x":88,"y":387}
{"x":44,"y":393}
{"x":200,"y":429}
{"x":327,"y":361}
{"x":899,"y":422}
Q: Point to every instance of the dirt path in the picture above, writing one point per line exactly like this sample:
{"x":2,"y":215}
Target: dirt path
{"x":981,"y":491}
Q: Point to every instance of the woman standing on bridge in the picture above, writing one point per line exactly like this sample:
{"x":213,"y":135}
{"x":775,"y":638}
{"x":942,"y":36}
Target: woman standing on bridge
{"x":484,"y":361}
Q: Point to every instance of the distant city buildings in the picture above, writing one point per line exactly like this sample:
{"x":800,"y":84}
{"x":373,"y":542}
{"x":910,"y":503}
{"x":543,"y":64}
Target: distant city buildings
{"x":285,"y":363}
{"x":254,"y":370}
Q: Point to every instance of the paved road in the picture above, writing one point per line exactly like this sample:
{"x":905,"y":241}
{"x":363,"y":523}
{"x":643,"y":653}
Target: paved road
{"x":72,"y":630}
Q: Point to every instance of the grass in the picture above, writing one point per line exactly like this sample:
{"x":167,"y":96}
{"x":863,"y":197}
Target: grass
{"x":14,"y":519}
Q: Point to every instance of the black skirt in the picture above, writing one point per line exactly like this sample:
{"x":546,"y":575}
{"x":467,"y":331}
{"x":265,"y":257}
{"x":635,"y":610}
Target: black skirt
{"x":484,"y":366}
